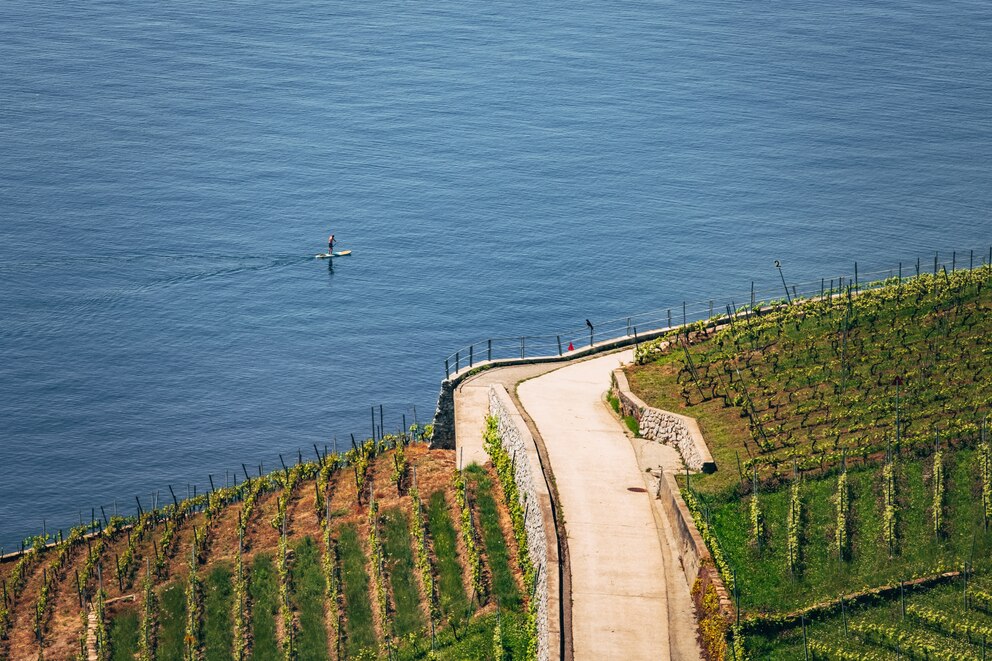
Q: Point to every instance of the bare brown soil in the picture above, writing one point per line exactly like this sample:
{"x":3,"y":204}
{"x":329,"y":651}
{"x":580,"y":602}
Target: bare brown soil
{"x":430,"y":470}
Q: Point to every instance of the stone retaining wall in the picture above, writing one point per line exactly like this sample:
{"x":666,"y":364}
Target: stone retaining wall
{"x":444,"y":418}
{"x":665,"y":427}
{"x":694,"y":556}
{"x":542,"y":544}
{"x":682,"y":432}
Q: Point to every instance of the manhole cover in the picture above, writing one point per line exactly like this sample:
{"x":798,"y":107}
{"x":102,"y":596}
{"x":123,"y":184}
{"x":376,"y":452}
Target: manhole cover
{"x":637,"y":489}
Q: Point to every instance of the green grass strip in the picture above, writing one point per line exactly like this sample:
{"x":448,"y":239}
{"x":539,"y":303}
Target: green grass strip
{"x":218,"y":627}
{"x":172,"y":623}
{"x":359,"y":628}
{"x":124,"y":636}
{"x":497,"y":552}
{"x":396,"y":540}
{"x":263,"y":586}
{"x":308,"y":588}
{"x":454,"y":601}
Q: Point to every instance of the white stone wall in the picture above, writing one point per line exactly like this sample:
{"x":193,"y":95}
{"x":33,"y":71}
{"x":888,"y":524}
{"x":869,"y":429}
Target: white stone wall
{"x":664,"y":426}
{"x":534,"y":498}
{"x":668,"y":428}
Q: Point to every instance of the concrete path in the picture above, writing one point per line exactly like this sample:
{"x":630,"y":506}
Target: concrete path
{"x":621,"y":585}
{"x":472,"y":406}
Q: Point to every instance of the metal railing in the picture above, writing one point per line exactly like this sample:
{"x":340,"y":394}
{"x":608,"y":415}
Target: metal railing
{"x":499,"y":350}
{"x":382,"y":422}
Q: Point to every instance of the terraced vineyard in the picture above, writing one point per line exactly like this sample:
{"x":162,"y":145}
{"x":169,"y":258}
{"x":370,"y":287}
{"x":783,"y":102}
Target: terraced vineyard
{"x":351,"y":556}
{"x":850,"y":435}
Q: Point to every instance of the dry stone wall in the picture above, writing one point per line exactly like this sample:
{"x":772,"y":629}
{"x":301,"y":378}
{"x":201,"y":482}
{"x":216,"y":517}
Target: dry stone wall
{"x":665,"y":427}
{"x":444,"y":418}
{"x":539,"y":521}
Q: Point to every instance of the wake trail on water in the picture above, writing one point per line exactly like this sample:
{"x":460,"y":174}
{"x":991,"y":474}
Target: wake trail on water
{"x":126,"y":258}
{"x":89,"y":307}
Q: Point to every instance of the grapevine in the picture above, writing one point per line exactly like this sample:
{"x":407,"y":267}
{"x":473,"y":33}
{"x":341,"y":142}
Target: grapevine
{"x":916,"y":644}
{"x":379,"y":577}
{"x":843,"y":506}
{"x":474,"y":559}
{"x":53,"y":571}
{"x":193,"y":638}
{"x":985,"y":467}
{"x":241,"y":610}
{"x":710,"y":538}
{"x":102,"y":639}
{"x":503,"y":464}
{"x":819,"y":650}
{"x":418,"y":530}
{"x":149,"y":621}
{"x":399,"y":467}
{"x":794,"y":527}
{"x":757,"y":520}
{"x":941,"y":621}
{"x":285,"y":609}
{"x":938,"y":493}
{"x":889,"y":505}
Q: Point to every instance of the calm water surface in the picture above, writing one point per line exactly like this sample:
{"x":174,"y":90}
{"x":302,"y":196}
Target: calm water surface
{"x":168,"y":170}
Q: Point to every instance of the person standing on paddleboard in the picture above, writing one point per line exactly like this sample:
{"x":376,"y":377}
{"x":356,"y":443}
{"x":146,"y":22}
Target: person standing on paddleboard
{"x":330,"y":245}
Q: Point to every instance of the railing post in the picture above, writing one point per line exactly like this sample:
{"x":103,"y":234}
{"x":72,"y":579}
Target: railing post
{"x":669,"y":317}
{"x":522,"y":348}
{"x":559,"y":344}
{"x":490,"y":350}
{"x":471,"y":355}
{"x":458,"y":360}
{"x":447,"y":371}
{"x":628,"y":326}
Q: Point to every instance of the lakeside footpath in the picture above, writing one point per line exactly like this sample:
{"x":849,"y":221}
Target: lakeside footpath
{"x":626,"y":595}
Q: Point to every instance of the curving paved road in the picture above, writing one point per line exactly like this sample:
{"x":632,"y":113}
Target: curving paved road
{"x":629,"y":597}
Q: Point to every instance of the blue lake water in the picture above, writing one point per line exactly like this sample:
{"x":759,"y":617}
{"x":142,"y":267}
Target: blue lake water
{"x":167,"y":172}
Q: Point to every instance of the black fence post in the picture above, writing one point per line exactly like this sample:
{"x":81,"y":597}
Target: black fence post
{"x":471,"y":355}
{"x":490,"y":354}
{"x":522,"y":349}
{"x":458,"y":360}
{"x":778,"y":265}
{"x":558,"y":337}
{"x":447,"y":370}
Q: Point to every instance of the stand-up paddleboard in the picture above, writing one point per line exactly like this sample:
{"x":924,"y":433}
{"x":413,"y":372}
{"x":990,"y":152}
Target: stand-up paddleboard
{"x":328,"y":255}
